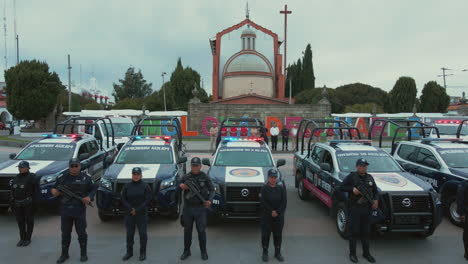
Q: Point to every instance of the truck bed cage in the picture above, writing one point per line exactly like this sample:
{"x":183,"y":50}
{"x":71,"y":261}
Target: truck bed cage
{"x":72,"y":122}
{"x":397,"y":122}
{"x":169,"y":122}
{"x":304,"y":124}
{"x":459,"y":129}
{"x":257,"y":124}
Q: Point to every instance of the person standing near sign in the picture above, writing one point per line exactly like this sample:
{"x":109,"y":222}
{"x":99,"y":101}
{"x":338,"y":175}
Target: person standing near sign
{"x":360,"y":207}
{"x":274,"y":131}
{"x":194,"y":208}
{"x":213,"y":134}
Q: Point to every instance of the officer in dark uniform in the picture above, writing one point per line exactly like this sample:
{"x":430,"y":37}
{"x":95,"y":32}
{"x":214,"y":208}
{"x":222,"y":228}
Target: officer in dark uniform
{"x":285,"y":137}
{"x":73,"y":211}
{"x":273,"y":200}
{"x":23,"y":193}
{"x":136,"y":196}
{"x":194,"y":208}
{"x":360,"y":208}
{"x":462,"y":209}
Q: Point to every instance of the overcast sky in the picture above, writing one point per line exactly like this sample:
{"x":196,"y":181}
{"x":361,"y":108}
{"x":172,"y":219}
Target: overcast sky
{"x":368,"y":41}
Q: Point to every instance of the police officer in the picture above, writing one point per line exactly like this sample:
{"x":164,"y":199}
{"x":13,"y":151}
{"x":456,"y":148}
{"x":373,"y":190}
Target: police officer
{"x":23,"y":193}
{"x":136,"y":196}
{"x":194,"y":208}
{"x":285,"y":137}
{"x":273,"y":201}
{"x":360,"y":207}
{"x":462,"y":209}
{"x":73,"y":211}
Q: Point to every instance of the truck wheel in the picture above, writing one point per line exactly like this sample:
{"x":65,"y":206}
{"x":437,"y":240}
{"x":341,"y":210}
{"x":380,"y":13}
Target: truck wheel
{"x":424,"y":235}
{"x":301,"y":190}
{"x":341,"y":219}
{"x":451,"y":211}
{"x":103,"y":217}
{"x":174,"y":215}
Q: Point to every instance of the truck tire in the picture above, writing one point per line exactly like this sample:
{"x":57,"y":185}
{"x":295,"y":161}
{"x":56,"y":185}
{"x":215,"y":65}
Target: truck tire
{"x":174,"y":215}
{"x":341,"y":220}
{"x":424,"y":235}
{"x":451,"y":210}
{"x":301,"y":190}
{"x":103,"y":217}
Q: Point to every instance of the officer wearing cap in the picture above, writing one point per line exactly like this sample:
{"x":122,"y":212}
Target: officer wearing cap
{"x":136,"y":196}
{"x":23,"y":194}
{"x":360,"y":208}
{"x":72,"y":210}
{"x":194,"y":208}
{"x":273,"y":201}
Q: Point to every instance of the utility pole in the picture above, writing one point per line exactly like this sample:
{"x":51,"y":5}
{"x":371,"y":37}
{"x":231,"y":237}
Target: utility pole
{"x":286,"y":12}
{"x":5,"y":35}
{"x":444,"y":75}
{"x":69,"y":84}
{"x":17,"y":49}
{"x":164,"y":90}
{"x":290,"y":90}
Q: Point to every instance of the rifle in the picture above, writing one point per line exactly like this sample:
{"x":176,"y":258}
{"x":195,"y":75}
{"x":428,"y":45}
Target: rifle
{"x":195,"y":189}
{"x":65,"y":190}
{"x":365,"y":191}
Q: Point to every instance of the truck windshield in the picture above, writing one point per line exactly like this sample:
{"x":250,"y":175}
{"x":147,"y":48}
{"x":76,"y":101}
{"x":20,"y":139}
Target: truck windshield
{"x":120,"y":129}
{"x":455,"y":158}
{"x":244,"y":157}
{"x":450,"y":130}
{"x":42,"y":151}
{"x":378,"y":161}
{"x":145,"y":155}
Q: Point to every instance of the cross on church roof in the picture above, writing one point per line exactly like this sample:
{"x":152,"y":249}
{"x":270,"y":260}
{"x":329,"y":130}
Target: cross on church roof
{"x":247,"y":11}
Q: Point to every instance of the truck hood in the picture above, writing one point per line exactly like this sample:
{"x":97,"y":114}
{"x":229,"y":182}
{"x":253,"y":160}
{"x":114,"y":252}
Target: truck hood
{"x":149,"y":171}
{"x":228,"y":174}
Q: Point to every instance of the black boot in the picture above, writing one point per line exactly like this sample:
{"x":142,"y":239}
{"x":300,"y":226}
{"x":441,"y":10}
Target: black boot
{"x":369,"y":257}
{"x":20,"y":243}
{"x":64,"y":255}
{"x":278,"y":255}
{"x":186,"y":254}
{"x":265,"y":255}
{"x":204,"y":255}
{"x":84,"y":253}
{"x":142,"y":253}
{"x":129,"y":254}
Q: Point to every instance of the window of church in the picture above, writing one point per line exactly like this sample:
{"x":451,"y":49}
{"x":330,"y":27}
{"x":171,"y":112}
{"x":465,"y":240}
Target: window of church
{"x":248,"y":43}
{"x":253,"y":43}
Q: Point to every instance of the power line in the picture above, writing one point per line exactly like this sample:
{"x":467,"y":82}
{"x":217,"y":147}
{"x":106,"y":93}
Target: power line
{"x":445,"y":75}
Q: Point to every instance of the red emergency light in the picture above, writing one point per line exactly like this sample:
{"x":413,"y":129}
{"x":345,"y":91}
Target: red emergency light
{"x":448,"y":121}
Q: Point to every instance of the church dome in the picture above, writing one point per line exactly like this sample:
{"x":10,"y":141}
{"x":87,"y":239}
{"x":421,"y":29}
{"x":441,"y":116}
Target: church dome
{"x":248,"y":63}
{"x":248,"y":31}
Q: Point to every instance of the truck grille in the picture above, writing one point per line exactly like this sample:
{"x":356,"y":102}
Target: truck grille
{"x":242,"y":194}
{"x":411,"y":204}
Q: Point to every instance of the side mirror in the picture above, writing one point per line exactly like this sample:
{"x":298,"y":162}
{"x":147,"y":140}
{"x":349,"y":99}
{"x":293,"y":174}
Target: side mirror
{"x":325,"y":167}
{"x":432,"y":164}
{"x":182,"y":160}
{"x":280,"y":162}
{"x":83,"y":156}
{"x":108,"y":161}
{"x":84,"y":165}
{"x":12,"y":155}
{"x":206,"y":162}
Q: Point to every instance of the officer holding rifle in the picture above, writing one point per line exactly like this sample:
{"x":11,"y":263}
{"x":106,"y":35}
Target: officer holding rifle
{"x":76,"y":190}
{"x":198,"y":193}
{"x":362,"y":199}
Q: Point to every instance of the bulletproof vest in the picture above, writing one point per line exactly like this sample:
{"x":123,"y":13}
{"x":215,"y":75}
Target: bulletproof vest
{"x":22,"y":186}
{"x":201,"y":182}
{"x":364,"y":185}
{"x":78,"y":185}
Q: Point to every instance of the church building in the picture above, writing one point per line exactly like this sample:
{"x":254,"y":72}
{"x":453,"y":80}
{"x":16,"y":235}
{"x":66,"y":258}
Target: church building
{"x":247,"y":65}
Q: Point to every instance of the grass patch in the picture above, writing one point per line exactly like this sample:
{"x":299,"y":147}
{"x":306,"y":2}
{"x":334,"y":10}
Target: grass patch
{"x":7,"y":138}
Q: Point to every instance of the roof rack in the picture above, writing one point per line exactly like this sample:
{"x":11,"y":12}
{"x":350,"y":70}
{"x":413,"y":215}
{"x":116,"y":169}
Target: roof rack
{"x":460,"y":127}
{"x":88,"y":122}
{"x":438,"y":140}
{"x":342,"y":125}
{"x":410,"y":124}
{"x":246,"y":122}
{"x":169,"y":122}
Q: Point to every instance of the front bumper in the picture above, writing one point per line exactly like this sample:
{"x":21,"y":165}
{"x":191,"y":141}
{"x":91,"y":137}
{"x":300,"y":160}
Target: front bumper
{"x":230,"y":203}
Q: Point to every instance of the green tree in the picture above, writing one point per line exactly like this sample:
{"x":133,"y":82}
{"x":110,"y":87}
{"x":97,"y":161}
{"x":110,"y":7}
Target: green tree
{"x":130,"y":103}
{"x":313,"y":96}
{"x":403,"y":95}
{"x":132,"y":86}
{"x":308,"y":77}
{"x":92,"y":106}
{"x":359,"y":93}
{"x":364,"y":108}
{"x":32,"y":90}
{"x":434,"y":98}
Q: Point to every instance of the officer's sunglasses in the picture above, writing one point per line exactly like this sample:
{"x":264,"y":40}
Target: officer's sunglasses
{"x":74,"y":166}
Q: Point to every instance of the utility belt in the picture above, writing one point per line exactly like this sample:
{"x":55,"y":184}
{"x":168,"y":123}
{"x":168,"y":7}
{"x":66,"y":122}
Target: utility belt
{"x":23,"y":202}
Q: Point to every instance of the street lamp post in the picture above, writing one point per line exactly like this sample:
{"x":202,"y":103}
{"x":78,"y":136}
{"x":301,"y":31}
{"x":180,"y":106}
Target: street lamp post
{"x":164,"y":90}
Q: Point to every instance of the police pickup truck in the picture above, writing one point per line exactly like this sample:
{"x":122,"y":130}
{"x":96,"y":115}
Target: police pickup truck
{"x":238,"y":170}
{"x":162,"y":160}
{"x":49,"y":156}
{"x":408,"y":203}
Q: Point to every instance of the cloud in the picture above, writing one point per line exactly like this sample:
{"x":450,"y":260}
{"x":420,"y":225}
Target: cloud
{"x":367,"y":41}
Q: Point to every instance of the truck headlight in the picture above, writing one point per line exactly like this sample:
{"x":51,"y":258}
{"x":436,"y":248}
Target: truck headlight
{"x":168,"y":183}
{"x":50,"y":178}
{"x":107,"y":184}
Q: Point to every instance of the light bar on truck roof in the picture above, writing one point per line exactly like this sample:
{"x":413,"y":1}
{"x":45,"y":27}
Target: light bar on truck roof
{"x":166,"y":138}
{"x":448,"y":121}
{"x":357,"y":141}
{"x":74,"y":136}
{"x":257,"y":139}
{"x":429,"y":140}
